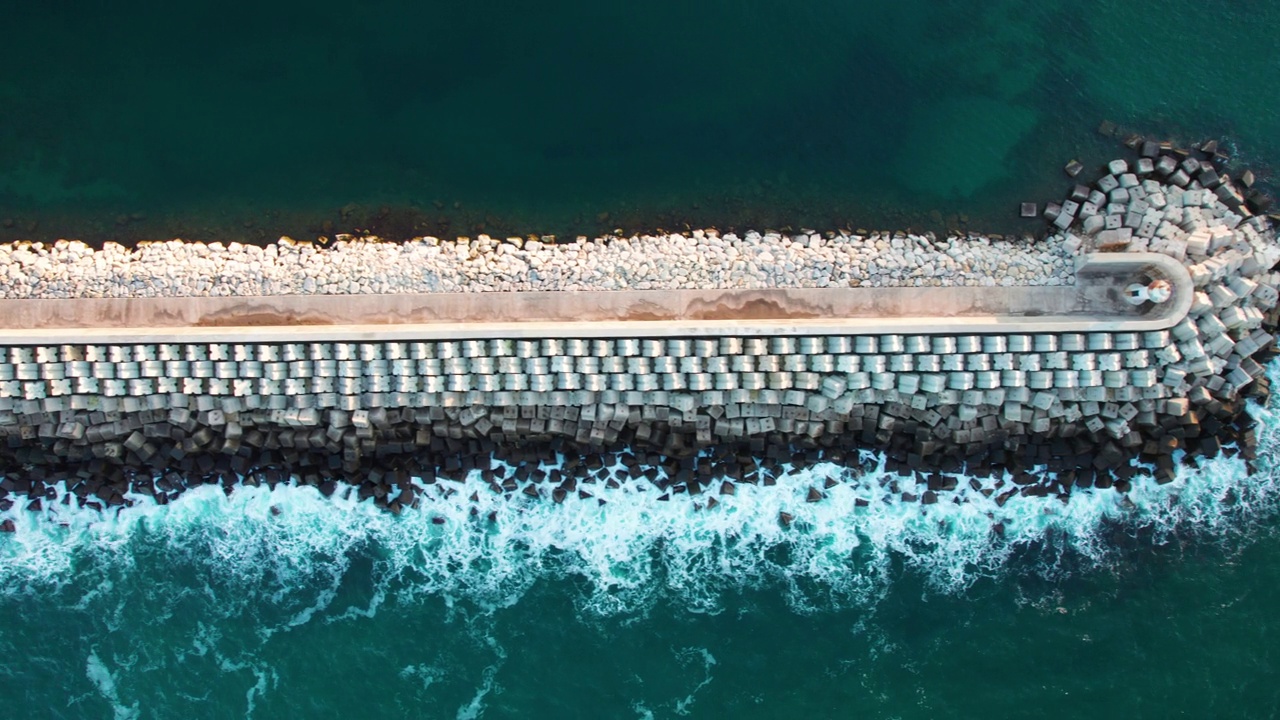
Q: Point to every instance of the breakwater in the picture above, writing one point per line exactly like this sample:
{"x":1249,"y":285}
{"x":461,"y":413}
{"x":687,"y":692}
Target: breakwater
{"x":1035,"y":408}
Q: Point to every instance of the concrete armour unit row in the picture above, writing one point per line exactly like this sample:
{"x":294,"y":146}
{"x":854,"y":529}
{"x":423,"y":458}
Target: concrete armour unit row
{"x":152,"y":405}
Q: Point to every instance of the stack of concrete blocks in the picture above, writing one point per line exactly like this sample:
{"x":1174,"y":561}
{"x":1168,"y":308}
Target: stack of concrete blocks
{"x":965,"y":389}
{"x":1112,"y":392}
{"x":1158,"y":202}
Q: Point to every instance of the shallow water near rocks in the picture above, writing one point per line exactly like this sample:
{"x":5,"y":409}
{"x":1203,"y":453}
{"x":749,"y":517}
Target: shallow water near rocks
{"x":231,"y":121}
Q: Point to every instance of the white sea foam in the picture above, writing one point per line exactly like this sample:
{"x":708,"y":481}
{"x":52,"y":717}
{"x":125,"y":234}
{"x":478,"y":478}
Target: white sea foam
{"x":291,"y":547}
{"x":425,"y":674}
{"x":708,"y":662}
{"x":105,"y":680}
{"x":475,"y":708}
{"x":265,"y":678}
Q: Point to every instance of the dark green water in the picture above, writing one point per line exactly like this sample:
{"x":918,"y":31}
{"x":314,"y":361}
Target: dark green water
{"x":231,"y":119}
{"x":216,"y":120}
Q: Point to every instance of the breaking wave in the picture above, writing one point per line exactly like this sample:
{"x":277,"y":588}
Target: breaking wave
{"x":291,"y":547}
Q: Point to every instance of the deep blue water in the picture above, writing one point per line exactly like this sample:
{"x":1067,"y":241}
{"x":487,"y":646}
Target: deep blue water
{"x":232,"y":119}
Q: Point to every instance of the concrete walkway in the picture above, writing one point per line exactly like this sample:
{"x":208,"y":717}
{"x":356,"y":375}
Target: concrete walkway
{"x":1093,"y":304}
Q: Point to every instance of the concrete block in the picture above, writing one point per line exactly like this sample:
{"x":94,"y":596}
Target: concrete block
{"x":901,"y":363}
{"x":1084,"y":361}
{"x":882,"y":381}
{"x":1126,"y":341}
{"x":1040,"y":380}
{"x":1233,"y":317}
{"x":782,"y":345}
{"x":1243,"y":287}
{"x":836,"y":344}
{"x":1136,"y":359}
{"x":1012,"y":412}
{"x":890,"y":344}
{"x":835,"y":386}
{"x":848,"y":363}
{"x":943,"y":345}
{"x":1013,"y":378}
{"x":810,"y":381}
{"x":1143,"y":378}
{"x":1115,"y":378}
{"x":1221,"y":296}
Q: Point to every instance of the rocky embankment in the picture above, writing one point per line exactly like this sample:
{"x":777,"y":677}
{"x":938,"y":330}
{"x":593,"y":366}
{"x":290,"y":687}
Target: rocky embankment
{"x":701,"y":260}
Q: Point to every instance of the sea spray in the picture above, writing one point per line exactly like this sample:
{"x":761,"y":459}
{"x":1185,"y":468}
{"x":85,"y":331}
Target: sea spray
{"x":104,"y":679}
{"x":244,"y":596}
{"x":626,"y":547}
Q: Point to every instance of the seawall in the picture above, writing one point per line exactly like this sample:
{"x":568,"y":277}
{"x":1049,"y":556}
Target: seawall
{"x":105,"y":397}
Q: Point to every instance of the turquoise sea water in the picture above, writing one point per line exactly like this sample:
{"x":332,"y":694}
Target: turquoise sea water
{"x":285,"y":604}
{"x":211,"y":119}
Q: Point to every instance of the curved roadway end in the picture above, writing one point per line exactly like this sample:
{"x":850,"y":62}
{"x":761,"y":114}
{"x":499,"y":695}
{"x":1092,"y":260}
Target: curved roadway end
{"x":1116,"y":270}
{"x":1094,"y":304}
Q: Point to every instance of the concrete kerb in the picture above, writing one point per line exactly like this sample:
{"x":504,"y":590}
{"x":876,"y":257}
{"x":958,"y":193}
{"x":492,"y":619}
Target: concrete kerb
{"x":1093,"y":304}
